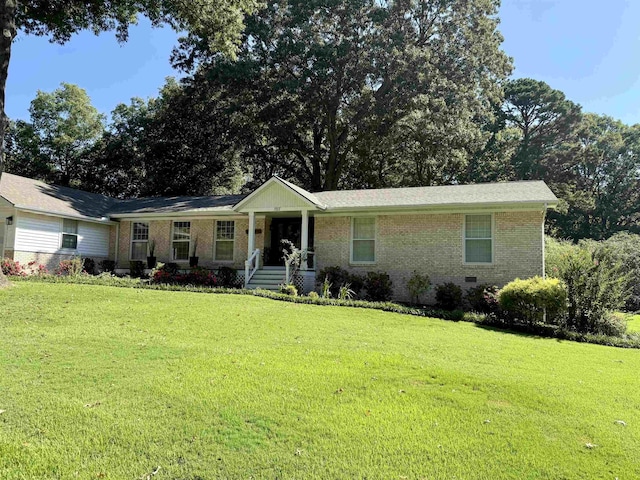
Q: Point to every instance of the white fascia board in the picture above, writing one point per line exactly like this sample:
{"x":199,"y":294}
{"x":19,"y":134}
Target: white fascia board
{"x":312,"y":206}
{"x":440,"y":209}
{"x":38,"y":211}
{"x":141,"y":217}
{"x":171,"y":215}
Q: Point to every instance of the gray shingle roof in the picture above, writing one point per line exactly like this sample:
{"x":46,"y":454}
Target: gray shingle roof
{"x":35,"y":195}
{"x":451,"y":195}
{"x":211,"y":204}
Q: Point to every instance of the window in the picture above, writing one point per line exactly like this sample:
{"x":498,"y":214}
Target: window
{"x":70,"y":234}
{"x":181,"y":240}
{"x":225,"y":235}
{"x":363,"y":240}
{"x":478,"y":239}
{"x":139,"y":240}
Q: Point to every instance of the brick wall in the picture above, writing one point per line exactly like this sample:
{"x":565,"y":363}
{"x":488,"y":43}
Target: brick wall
{"x":433,"y":244}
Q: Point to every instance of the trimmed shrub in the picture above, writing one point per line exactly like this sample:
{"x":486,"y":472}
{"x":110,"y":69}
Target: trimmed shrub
{"x":314,"y":295}
{"x":228,"y":277}
{"x":70,"y":267}
{"x":12,"y":268}
{"x":289,"y":290}
{"x":483,"y":299}
{"x":89,"y":266}
{"x":197,"y":276}
{"x":136,"y":269}
{"x":527,"y":300}
{"x":108,"y":266}
{"x":448,"y":296}
{"x":378,"y":287}
{"x":418,"y":285}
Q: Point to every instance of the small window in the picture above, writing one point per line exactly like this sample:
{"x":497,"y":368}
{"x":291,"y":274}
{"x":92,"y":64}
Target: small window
{"x":225,"y":236}
{"x":70,"y":234}
{"x":181,"y":240}
{"x":363,"y":240}
{"x":478,"y":239}
{"x":139,"y":240}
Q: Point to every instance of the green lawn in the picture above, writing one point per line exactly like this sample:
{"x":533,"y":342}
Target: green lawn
{"x":633,"y":323}
{"x":99,"y":382}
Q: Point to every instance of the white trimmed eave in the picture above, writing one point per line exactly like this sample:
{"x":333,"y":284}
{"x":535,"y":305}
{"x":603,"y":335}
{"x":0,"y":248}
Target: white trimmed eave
{"x":5,"y":203}
{"x":238,"y":207}
{"x":440,"y":209}
{"x":39,"y":211}
{"x":186,"y":215}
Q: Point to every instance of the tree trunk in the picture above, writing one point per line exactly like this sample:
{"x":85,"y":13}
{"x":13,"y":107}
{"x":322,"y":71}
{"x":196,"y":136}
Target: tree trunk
{"x":8,"y":33}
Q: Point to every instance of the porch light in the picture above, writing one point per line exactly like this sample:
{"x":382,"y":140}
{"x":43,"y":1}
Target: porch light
{"x":10,"y":220}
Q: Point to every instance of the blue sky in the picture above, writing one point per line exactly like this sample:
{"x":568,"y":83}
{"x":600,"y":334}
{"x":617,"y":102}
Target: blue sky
{"x":586,"y":48}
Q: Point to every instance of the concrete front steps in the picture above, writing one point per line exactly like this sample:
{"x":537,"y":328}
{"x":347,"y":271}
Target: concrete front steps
{"x":267,"y":278}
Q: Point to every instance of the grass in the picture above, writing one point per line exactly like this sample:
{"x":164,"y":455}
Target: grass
{"x":633,"y":323}
{"x":102,"y":382}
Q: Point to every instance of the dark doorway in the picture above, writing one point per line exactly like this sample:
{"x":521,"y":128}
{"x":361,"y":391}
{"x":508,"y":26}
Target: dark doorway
{"x":289,"y":228}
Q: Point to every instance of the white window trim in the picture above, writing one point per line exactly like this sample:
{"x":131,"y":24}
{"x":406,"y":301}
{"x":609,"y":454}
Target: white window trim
{"x":493,"y":241}
{"x":132,"y":241}
{"x":173,"y":230}
{"x":215,"y":241}
{"x":375,"y":241}
{"x":63,"y":233}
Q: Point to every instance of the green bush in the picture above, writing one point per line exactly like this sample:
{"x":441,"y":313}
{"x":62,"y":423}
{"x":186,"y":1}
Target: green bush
{"x":289,"y":290}
{"x":71,"y":267}
{"x":595,"y":288}
{"x":378,"y":286}
{"x":89,"y":266}
{"x":338,"y":277}
{"x":448,"y":296}
{"x":228,"y":277}
{"x":483,"y":299}
{"x":527,"y":300}
{"x":136,"y":269}
{"x":314,"y":295}
{"x":418,"y":285}
{"x":108,"y":266}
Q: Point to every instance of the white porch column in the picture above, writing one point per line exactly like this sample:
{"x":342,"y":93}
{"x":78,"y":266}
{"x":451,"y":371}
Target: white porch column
{"x":252,"y":234}
{"x":304,"y":239}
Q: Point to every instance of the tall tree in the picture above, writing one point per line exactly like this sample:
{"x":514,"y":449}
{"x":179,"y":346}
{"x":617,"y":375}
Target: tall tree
{"x":545,"y":119}
{"x":23,"y":152}
{"x":211,"y":25}
{"x":320,"y":85}
{"x":67,"y":126}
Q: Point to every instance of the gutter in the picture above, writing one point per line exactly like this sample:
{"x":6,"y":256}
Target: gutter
{"x":103,"y":220}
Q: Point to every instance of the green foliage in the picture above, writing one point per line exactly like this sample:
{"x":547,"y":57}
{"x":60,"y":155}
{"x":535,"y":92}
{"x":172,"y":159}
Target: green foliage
{"x":345,"y":292}
{"x":108,"y":266}
{"x":136,"y":268}
{"x":11,"y":267}
{"x":529,"y":299}
{"x":339,"y":277}
{"x":418,"y":285}
{"x":595,"y":288}
{"x":288,"y":289}
{"x":483,"y":298}
{"x":228,"y":277}
{"x":448,"y":296}
{"x":72,"y":267}
{"x":378,"y":287}
{"x":326,"y":288}
{"x":313,"y":295}
{"x":89,"y":266}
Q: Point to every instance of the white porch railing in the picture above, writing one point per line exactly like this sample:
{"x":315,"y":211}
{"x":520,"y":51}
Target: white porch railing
{"x":251,"y":266}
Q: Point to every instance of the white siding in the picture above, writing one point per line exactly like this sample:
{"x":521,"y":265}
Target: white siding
{"x":42,"y":234}
{"x":37,"y":233}
{"x":93,"y":240}
{"x":273,"y":196}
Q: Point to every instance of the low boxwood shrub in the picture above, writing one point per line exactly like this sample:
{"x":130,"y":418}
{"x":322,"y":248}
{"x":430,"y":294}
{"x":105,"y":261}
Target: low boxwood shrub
{"x":107,"y":266}
{"x":228,"y":277}
{"x":527,"y":300}
{"x":289,"y":290}
{"x":378,"y":287}
{"x":448,"y":296}
{"x":89,"y":266}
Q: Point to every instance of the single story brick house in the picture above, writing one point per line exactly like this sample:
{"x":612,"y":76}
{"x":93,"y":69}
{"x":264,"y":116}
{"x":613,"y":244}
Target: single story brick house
{"x":466,"y":234}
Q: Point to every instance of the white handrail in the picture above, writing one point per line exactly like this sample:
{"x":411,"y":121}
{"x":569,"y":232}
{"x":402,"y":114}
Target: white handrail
{"x":251,"y":266}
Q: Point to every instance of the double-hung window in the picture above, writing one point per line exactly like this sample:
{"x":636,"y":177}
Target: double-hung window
{"x":69,"y":234}
{"x":363,"y":240}
{"x":478,"y":239}
{"x":225,"y":236}
{"x":139,"y":240}
{"x":181,"y":240}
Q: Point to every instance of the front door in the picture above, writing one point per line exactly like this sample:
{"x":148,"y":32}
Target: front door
{"x":285,"y":229}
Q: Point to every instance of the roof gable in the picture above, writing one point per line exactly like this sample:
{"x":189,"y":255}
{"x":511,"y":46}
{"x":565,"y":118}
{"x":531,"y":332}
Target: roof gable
{"x":277,"y":194}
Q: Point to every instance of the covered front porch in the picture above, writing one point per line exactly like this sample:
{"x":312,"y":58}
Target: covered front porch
{"x":287,"y":255}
